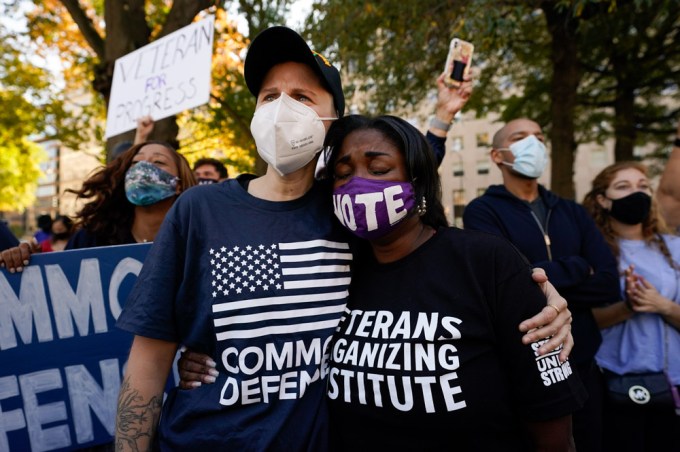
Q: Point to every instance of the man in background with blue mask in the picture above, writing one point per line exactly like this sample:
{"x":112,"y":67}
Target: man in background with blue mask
{"x":558,"y":235}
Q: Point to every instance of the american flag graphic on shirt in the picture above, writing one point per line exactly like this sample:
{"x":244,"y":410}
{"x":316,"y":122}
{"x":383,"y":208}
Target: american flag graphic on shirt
{"x":289,"y":287}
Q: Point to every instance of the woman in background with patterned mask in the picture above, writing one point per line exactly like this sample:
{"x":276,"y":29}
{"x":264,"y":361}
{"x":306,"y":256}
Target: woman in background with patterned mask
{"x":641,"y":333}
{"x":131,"y":195}
{"x":428,"y":355}
{"x":126,"y":200}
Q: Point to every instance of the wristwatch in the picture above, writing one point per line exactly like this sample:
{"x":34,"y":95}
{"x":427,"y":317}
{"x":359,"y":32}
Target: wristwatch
{"x":441,"y":125}
{"x":676,"y":143}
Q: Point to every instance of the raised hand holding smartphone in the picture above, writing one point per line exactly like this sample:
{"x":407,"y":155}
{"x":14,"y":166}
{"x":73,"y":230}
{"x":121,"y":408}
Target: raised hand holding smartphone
{"x":458,"y":62}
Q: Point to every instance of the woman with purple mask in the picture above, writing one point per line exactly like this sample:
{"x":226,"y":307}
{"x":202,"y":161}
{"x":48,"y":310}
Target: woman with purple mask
{"x":428,"y":355}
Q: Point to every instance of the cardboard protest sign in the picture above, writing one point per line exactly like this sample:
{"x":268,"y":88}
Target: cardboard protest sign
{"x":163,"y":78}
{"x":61,"y":356}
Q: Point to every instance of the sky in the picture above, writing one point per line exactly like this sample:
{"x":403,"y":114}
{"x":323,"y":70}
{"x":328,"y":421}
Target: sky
{"x":298,"y":12}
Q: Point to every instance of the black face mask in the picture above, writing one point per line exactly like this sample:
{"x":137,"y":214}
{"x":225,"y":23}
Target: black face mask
{"x":61,"y":236}
{"x":631,"y":209}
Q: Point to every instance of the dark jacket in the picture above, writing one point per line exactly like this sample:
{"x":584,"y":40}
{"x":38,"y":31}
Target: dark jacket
{"x":573,"y":253}
{"x":7,"y":238}
{"x":84,"y":239}
{"x":437,"y":146}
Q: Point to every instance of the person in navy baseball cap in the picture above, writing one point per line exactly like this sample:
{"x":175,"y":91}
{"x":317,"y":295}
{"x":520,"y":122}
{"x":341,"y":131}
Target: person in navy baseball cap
{"x":282,"y":215}
{"x":277,"y":45}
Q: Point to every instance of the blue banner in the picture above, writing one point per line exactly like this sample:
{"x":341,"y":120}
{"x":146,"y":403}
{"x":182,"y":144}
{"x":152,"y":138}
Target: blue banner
{"x":61,"y":356}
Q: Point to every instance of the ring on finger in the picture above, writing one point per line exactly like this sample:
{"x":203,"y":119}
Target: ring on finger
{"x":555,"y":308}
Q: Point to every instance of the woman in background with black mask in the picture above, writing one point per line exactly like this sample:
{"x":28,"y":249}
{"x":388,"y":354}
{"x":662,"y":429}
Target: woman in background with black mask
{"x":640,"y":334}
{"x":62,"y":230}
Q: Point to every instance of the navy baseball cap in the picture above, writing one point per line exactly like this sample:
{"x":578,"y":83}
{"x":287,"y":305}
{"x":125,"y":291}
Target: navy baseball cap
{"x":277,"y":45}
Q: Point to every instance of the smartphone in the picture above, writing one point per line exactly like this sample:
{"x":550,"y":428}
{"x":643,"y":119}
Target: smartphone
{"x":458,"y":62}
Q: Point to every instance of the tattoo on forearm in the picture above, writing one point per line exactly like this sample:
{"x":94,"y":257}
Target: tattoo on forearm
{"x":136,"y":419}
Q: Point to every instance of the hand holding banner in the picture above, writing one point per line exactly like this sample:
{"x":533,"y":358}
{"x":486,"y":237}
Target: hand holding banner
{"x":61,"y":356}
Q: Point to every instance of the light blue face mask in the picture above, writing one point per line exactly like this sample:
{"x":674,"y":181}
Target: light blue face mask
{"x":531,"y":157}
{"x":147,"y":184}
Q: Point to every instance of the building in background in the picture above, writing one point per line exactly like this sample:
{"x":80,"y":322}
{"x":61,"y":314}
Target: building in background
{"x":64,"y":168}
{"x":467,"y":169}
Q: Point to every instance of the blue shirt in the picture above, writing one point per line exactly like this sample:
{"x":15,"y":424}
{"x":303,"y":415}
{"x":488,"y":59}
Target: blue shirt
{"x":637,"y":345}
{"x":259,"y":286}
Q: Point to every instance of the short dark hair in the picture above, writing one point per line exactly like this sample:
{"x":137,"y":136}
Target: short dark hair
{"x":420,"y":161}
{"x":219,"y":166}
{"x":66,"y":221}
{"x":45,"y":222}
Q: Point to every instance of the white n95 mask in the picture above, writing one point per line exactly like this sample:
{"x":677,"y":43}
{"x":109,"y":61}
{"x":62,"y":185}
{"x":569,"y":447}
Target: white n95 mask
{"x":531,"y":157}
{"x":288,"y":134}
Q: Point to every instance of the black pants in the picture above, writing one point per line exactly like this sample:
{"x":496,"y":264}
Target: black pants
{"x":587,"y":422}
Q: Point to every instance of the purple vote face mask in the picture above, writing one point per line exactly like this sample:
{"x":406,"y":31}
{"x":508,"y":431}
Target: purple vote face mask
{"x":370,"y":208}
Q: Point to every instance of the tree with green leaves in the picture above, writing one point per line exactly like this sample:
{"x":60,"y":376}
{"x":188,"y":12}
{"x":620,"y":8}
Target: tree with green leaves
{"x":630,"y":87}
{"x":531,"y":54}
{"x":27,"y":108}
{"x":527,"y":48}
{"x":90,"y":36}
{"x":105,"y":31}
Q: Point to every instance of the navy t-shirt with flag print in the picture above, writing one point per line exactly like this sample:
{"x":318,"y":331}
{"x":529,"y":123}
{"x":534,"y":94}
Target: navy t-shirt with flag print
{"x":259,"y":286}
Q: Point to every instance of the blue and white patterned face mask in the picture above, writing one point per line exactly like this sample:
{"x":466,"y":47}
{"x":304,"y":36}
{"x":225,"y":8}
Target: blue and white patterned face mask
{"x":147,"y":184}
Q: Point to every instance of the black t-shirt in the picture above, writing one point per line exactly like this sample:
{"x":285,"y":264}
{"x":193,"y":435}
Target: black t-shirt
{"x":429,"y":354}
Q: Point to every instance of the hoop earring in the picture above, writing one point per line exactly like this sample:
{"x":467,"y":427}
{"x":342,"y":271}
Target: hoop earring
{"x":422,"y":207}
